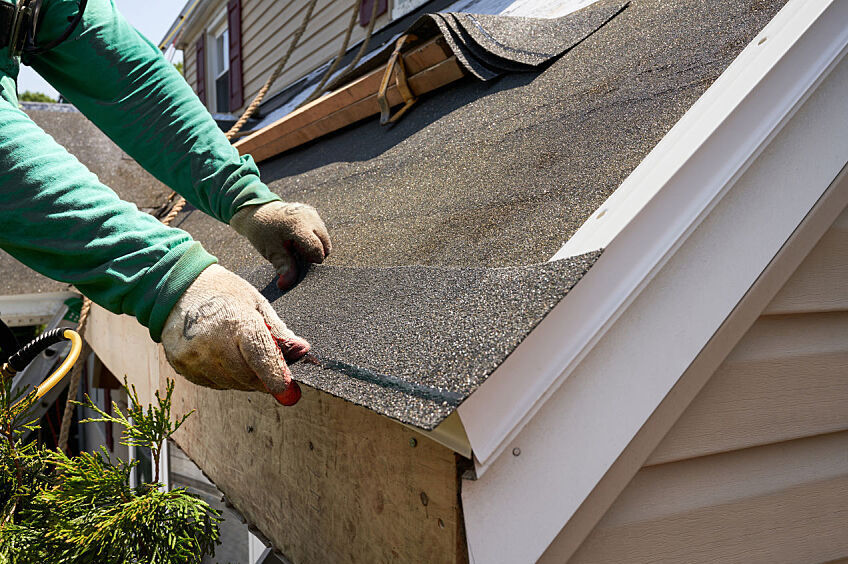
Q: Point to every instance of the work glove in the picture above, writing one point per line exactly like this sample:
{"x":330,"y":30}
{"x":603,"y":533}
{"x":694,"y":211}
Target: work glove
{"x":285,"y":234}
{"x":223,"y":334}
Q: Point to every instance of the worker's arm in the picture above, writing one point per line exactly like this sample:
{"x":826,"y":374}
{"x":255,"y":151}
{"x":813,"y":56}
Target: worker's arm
{"x":58,"y":219}
{"x":121,"y":81}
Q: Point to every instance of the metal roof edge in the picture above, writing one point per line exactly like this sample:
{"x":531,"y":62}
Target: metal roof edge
{"x":674,"y":191}
{"x":449,"y":433}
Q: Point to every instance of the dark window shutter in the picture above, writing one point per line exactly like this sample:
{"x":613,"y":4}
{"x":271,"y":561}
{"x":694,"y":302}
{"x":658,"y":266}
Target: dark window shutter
{"x":200,"y":49}
{"x":367,"y":7}
{"x":236,"y":79}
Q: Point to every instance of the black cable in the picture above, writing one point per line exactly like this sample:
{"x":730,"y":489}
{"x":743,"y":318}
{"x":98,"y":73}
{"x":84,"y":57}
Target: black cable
{"x":8,"y":342}
{"x":35,"y":49}
{"x":27,"y":354}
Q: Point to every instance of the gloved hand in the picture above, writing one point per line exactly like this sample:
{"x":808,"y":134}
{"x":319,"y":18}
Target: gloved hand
{"x":282,"y":233}
{"x":223,"y":334}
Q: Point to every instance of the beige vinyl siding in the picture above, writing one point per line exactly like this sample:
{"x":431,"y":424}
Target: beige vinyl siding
{"x":786,"y":379}
{"x":190,"y":66}
{"x":778,"y":503}
{"x":756,"y":469}
{"x":267,"y":29}
{"x":820,"y":283}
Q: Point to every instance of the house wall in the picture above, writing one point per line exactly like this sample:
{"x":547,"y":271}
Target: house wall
{"x":755,"y":470}
{"x":267,"y":28}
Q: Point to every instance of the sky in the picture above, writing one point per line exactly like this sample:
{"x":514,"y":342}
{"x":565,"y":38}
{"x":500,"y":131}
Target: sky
{"x":150,"y":17}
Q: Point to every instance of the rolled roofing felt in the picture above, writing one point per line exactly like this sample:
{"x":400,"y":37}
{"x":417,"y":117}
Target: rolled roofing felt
{"x":413,"y":342}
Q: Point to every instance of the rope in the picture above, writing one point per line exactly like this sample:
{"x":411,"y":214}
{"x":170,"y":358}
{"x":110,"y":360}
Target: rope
{"x":180,"y":202}
{"x":364,"y":47}
{"x":175,"y":210}
{"x":338,"y":58}
{"x":274,"y":75}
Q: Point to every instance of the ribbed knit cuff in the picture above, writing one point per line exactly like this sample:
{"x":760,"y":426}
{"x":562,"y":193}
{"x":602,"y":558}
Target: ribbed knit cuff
{"x":251,"y":192}
{"x":182,"y":265}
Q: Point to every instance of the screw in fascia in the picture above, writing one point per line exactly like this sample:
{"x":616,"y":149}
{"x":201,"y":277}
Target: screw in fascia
{"x":413,"y":442}
{"x":250,"y":428}
{"x":516,"y":451}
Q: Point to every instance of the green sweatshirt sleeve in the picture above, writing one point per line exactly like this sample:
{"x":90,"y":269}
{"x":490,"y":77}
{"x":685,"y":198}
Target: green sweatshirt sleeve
{"x":123,"y":84}
{"x":58,"y":219}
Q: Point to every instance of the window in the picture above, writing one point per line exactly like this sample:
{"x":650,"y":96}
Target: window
{"x":221,"y":71}
{"x":220,"y":83}
{"x":216,"y":55}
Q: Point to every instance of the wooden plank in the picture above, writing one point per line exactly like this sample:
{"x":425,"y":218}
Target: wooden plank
{"x":325,"y":480}
{"x":773,"y":504}
{"x":784,"y":380}
{"x":425,"y":81}
{"x":819,"y":284}
{"x":418,"y":60}
{"x":110,"y":337}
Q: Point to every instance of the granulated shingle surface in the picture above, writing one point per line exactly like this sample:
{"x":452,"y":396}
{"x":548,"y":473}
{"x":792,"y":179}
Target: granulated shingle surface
{"x":503,"y":173}
{"x":475,"y":176}
{"x":18,"y":279}
{"x":412,"y":342}
{"x":480,"y":175}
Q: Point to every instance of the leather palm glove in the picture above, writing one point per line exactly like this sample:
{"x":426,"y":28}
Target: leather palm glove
{"x":284,"y":233}
{"x":223,"y":334}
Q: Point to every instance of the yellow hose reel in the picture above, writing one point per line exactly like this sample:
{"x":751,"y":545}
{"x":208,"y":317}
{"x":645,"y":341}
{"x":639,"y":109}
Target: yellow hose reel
{"x":18,"y":362}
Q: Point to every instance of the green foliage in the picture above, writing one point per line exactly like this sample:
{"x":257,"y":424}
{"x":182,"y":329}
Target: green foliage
{"x":27,"y":96}
{"x":142,"y":429}
{"x":179,"y":67}
{"x":81,"y":509}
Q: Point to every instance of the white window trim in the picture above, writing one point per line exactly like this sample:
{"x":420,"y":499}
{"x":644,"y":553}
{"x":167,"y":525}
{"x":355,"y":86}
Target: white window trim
{"x":218,"y":26}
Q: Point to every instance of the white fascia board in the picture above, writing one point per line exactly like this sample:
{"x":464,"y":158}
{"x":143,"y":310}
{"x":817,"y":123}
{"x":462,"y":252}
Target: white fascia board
{"x":196,"y":21}
{"x":32,"y":309}
{"x":657,"y":207}
{"x":583,"y":432}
